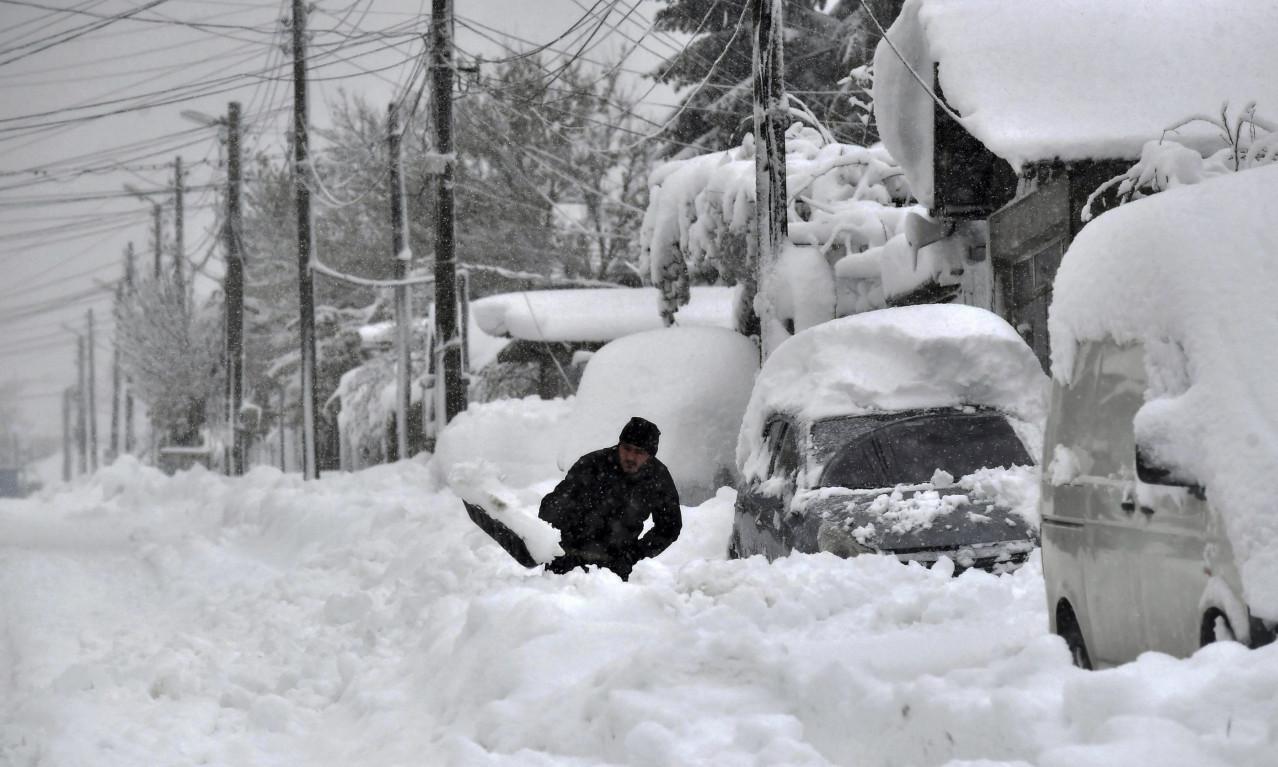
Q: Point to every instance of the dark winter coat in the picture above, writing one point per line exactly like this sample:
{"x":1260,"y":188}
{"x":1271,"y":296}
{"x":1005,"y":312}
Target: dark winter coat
{"x":600,"y":511}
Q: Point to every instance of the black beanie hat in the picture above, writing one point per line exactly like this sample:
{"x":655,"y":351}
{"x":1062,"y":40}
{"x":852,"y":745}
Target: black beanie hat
{"x":642,"y":434}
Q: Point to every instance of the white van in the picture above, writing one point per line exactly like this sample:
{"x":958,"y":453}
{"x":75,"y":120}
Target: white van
{"x":1134,"y":558}
{"x":1159,"y":500}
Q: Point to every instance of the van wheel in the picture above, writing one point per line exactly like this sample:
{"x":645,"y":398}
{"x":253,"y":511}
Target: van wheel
{"x":1068,"y":629}
{"x":1216,"y":628}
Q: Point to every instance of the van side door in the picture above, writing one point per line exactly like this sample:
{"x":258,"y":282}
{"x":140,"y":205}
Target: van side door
{"x":1112,"y":575}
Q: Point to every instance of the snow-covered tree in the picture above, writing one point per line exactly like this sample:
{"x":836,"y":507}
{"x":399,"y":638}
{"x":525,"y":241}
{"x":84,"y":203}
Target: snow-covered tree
{"x":172,"y":353}
{"x":824,"y":40}
{"x":844,"y":201}
{"x":1246,"y":141}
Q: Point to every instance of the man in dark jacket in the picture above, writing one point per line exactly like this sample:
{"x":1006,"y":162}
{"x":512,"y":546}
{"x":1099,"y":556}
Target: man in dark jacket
{"x":601,"y":505}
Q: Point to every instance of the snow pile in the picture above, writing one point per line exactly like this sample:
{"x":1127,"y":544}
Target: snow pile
{"x":904,"y":358}
{"x":595,"y":314}
{"x":1192,"y":272}
{"x":521,"y":437}
{"x":1131,"y":72}
{"x":843,"y":199}
{"x":362,"y":620}
{"x":693,"y":383}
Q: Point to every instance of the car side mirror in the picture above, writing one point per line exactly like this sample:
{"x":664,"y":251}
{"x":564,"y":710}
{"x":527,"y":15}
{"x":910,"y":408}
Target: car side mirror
{"x":1151,"y":472}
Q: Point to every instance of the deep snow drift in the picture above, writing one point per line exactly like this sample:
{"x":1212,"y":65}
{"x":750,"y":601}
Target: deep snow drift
{"x":363,"y":620}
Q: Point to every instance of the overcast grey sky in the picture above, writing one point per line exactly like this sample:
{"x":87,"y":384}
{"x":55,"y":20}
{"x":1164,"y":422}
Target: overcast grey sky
{"x":72,"y":75}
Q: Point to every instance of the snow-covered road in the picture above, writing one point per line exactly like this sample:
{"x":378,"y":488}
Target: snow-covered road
{"x":363,"y":620}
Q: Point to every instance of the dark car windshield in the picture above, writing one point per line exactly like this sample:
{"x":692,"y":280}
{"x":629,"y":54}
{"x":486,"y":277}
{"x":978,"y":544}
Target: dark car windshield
{"x":910,"y":450}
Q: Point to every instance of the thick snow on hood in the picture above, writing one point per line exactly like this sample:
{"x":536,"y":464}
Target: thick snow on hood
{"x":693,"y":383}
{"x":903,"y":358}
{"x":1072,"y":79}
{"x":1193,"y":273}
{"x":595,"y":314}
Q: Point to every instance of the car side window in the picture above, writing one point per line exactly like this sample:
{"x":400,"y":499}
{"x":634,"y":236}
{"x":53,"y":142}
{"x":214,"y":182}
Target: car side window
{"x":787,"y":456}
{"x":772,"y":443}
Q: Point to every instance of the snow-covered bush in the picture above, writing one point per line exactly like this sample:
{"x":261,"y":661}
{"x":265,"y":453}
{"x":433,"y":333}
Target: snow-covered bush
{"x":843,"y":199}
{"x":1246,"y":141}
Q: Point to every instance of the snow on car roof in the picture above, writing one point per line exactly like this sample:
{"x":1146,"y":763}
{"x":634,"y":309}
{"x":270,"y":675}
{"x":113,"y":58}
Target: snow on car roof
{"x":1074,"y":79}
{"x":903,"y":358}
{"x":595,"y":314}
{"x":1193,"y":274}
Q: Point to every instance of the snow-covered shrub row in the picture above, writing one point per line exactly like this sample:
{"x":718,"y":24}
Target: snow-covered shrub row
{"x":843,"y":199}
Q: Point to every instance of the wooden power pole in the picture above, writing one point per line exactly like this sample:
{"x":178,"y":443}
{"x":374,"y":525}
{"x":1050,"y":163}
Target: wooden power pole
{"x":67,"y":435}
{"x":93,"y":400}
{"x":129,"y":270}
{"x":305,"y":242}
{"x":770,"y":121}
{"x":447,"y":342}
{"x":234,"y":290}
{"x":81,"y":419}
{"x":179,"y":235}
{"x":403,"y":299}
{"x":158,"y":213}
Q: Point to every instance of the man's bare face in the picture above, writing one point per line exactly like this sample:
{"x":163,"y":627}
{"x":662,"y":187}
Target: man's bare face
{"x":631,"y":458}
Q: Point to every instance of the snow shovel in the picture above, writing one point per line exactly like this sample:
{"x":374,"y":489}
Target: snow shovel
{"x":504,"y":536}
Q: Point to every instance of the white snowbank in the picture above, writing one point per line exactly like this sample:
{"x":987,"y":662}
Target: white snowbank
{"x":932,"y":355}
{"x":1192,"y":272}
{"x":595,"y":314}
{"x":361,"y":620}
{"x":693,"y":383}
{"x":1071,"y":79}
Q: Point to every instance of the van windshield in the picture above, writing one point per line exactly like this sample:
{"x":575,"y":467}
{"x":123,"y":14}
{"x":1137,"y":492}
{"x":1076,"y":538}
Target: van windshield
{"x":909,"y":451}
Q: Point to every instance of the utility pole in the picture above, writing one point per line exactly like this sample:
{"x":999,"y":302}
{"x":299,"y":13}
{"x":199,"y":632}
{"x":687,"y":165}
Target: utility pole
{"x":93,"y":402}
{"x":114,"y":450}
{"x":81,"y":421}
{"x":158,"y":213}
{"x":129,"y":270}
{"x":66,"y":434}
{"x":770,"y":120}
{"x":234,"y":289}
{"x":403,"y":299}
{"x":179,"y":239}
{"x":447,"y":343}
{"x":305,"y":242}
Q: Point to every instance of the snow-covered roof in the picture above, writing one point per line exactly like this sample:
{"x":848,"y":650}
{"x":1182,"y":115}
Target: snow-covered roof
{"x":902,"y":358}
{"x":1192,"y":272}
{"x":595,"y":314}
{"x":1074,"y":79}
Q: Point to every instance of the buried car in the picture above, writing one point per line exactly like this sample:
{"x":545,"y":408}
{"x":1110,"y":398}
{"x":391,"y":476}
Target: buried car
{"x":907,"y":431}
